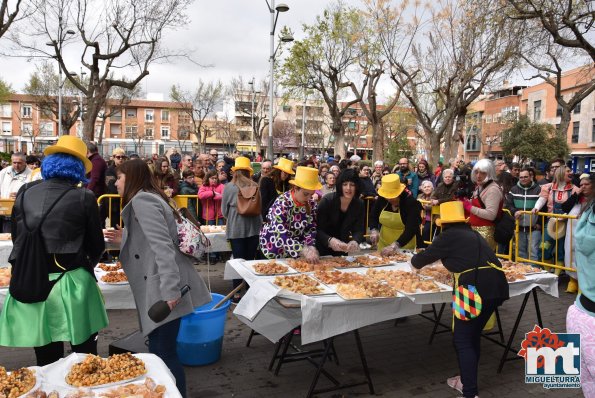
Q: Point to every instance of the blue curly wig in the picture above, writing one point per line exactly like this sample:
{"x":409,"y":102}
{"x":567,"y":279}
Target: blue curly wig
{"x":62,"y":165}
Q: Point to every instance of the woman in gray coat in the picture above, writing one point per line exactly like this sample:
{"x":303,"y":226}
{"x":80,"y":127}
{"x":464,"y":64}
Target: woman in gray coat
{"x":155,"y":267}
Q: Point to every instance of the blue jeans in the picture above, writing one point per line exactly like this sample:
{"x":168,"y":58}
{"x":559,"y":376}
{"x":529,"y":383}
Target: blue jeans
{"x":466,"y":337}
{"x":162,"y":342}
{"x":245,"y":248}
{"x":529,"y":250}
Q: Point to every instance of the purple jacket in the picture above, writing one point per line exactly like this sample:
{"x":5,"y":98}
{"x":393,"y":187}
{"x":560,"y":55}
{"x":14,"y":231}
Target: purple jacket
{"x":97,"y":175}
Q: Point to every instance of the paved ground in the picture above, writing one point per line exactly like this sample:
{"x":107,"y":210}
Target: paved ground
{"x":402,"y":364}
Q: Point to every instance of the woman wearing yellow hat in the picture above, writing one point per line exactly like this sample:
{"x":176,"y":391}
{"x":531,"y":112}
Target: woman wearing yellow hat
{"x":396,"y":217}
{"x":37,"y":314}
{"x":290,"y":227}
{"x":467,"y":254}
{"x":275,"y":184}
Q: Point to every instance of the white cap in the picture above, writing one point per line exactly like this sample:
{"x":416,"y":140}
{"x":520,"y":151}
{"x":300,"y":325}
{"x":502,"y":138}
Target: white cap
{"x":355,"y":158}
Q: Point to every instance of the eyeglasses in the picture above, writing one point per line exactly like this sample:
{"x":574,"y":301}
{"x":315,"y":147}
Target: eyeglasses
{"x":120,"y":157}
{"x":214,"y":154}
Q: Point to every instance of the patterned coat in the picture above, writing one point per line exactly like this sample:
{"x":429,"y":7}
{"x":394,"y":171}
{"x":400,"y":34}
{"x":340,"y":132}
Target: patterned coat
{"x":288,"y":228}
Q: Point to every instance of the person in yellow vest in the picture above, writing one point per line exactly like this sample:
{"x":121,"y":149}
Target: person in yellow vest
{"x":396,"y":217}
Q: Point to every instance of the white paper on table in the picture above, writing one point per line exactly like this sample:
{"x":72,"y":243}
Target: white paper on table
{"x":54,"y":375}
{"x":259,"y":294}
{"x":231,"y":267}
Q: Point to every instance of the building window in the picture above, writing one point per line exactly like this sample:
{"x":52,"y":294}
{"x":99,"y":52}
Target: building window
{"x":131,"y":113}
{"x":149,"y":132}
{"x":488,"y":119}
{"x":536,"y":111}
{"x":593,"y":131}
{"x":164,"y":131}
{"x":5,"y":110}
{"x":7,"y":127}
{"x":286,"y":108}
{"x":46,"y":129}
{"x":131,"y":131}
{"x":559,"y":111}
{"x":26,"y":111}
{"x":149,"y":113}
{"x":27,"y":129}
{"x":164,"y":115}
{"x":577,"y":108}
{"x":575,"y":128}
{"x":115,"y":129}
{"x":351,"y":124}
{"x":116,"y":115}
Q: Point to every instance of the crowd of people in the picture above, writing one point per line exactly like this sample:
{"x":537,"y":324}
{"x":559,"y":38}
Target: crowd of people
{"x":306,"y":209}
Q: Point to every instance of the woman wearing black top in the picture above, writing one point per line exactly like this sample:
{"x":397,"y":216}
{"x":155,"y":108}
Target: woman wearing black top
{"x":396,"y":217}
{"x":275,"y":184}
{"x":462,"y":250}
{"x":341,"y":217}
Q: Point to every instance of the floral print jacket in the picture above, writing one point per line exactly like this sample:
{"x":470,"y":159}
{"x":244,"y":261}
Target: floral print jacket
{"x":288,"y":228}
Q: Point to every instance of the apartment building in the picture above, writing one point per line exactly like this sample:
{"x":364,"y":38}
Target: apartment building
{"x":539,"y":103}
{"x":139,"y":126}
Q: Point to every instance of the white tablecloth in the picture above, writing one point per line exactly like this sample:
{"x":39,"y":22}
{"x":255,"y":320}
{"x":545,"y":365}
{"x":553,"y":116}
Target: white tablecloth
{"x":117,"y":297}
{"x":52,"y":376}
{"x":219,"y":242}
{"x":326,"y":316}
{"x":5,"y":249}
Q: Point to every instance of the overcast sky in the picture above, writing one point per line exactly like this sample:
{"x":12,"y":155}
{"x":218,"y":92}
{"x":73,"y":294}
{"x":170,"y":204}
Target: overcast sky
{"x":230,"y":35}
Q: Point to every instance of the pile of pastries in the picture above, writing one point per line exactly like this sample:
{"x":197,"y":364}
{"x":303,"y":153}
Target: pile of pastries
{"x":212,"y":229}
{"x":17,"y":383}
{"x":270,"y":268}
{"x":398,"y":257}
{"x":110,"y":267}
{"x":370,"y":261}
{"x":407,"y":282}
{"x":4,"y":277}
{"x":301,"y":284}
{"x":520,"y":267}
{"x":334,"y":277}
{"x":437,"y":272}
{"x":304,"y":266}
{"x":94,"y":370}
{"x":366,"y":288}
{"x":114,"y":277}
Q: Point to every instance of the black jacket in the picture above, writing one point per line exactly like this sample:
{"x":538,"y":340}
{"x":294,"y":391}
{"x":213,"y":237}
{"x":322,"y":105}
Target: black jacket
{"x":460,"y":248}
{"x":268,"y":194}
{"x":410,"y":210}
{"x":333,"y":223}
{"x":72,"y":230}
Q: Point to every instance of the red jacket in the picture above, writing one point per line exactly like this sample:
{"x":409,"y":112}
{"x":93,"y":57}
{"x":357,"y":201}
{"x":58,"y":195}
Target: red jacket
{"x":210,"y":198}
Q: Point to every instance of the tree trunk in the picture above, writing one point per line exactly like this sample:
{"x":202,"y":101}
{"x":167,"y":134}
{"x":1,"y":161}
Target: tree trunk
{"x":377,"y":141}
{"x":564,"y":123}
{"x":434,"y":152}
{"x":94,"y":104}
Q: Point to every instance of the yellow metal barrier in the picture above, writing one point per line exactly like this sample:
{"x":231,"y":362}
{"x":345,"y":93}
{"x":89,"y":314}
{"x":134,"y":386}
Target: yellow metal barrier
{"x":110,"y":199}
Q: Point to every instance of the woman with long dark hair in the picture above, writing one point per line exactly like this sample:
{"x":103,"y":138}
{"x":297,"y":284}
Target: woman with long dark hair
{"x":165,"y":178}
{"x":74,"y":310}
{"x":155,"y":266}
{"x":341,"y":214}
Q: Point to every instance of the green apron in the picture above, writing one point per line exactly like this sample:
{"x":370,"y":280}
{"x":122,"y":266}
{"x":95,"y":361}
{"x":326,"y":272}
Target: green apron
{"x":392,"y":228}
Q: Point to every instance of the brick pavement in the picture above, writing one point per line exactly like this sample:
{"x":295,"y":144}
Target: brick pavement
{"x":402,"y":364}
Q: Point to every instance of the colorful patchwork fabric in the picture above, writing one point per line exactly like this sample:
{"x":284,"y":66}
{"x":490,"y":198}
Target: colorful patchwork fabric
{"x":288,"y":228}
{"x":466,"y":303}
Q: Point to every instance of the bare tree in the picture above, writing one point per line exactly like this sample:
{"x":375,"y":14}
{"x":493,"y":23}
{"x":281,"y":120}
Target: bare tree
{"x":111,"y":37}
{"x":226,"y":131}
{"x":118,"y":98}
{"x":203,"y":102}
{"x":9,"y":13}
{"x":458,"y":50}
{"x":569,"y":23}
{"x":284,"y":135}
{"x":321,"y":62}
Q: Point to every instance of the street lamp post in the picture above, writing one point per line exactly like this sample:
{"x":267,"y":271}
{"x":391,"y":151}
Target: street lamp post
{"x":252,"y":143}
{"x":287,"y":38}
{"x":302,"y":147}
{"x":58,"y":43}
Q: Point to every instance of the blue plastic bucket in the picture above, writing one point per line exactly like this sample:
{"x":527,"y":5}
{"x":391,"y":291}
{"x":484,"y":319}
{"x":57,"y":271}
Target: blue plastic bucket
{"x":201,"y":333}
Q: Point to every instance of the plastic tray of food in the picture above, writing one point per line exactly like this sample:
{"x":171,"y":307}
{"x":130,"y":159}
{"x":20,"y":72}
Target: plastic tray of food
{"x":269,"y":267}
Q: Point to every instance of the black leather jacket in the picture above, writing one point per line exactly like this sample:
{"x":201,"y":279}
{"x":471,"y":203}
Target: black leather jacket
{"x":72,"y":230}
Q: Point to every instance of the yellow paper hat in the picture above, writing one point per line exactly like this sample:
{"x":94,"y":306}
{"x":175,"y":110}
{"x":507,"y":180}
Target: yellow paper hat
{"x":242,"y":163}
{"x":285,"y":165}
{"x":71,"y":145}
{"x":306,"y":178}
{"x":451,"y":212}
{"x":391,"y":186}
